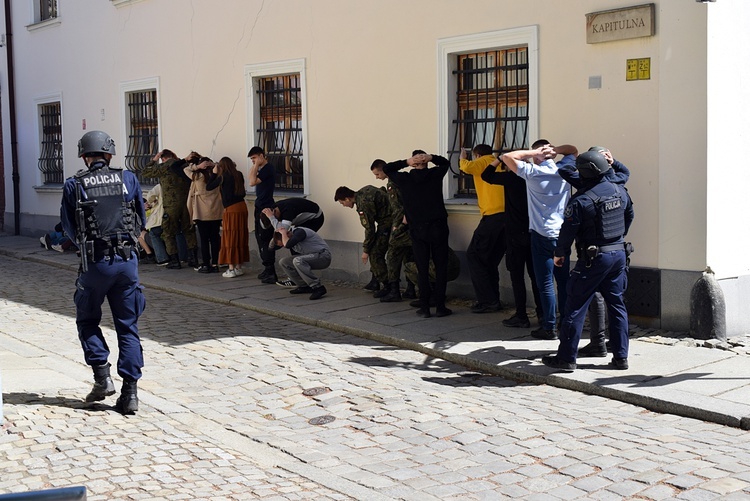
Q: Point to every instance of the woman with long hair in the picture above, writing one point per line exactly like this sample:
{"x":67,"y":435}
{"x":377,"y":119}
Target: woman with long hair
{"x":205,"y":210}
{"x":235,"y":235}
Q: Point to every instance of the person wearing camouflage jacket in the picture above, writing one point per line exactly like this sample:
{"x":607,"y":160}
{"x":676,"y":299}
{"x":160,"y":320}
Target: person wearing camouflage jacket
{"x":399,"y":243}
{"x":175,"y":186}
{"x":374,"y":212}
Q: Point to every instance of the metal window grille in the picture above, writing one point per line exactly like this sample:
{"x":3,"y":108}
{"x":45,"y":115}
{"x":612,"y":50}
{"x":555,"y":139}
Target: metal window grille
{"x":492,"y":105}
{"x":47,"y":9}
{"x":280,"y":131}
{"x":51,"y":147}
{"x":143,"y":134}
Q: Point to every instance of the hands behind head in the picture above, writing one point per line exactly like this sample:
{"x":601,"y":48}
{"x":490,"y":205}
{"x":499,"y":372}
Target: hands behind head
{"x":419,"y":161}
{"x":268,"y":212}
{"x":205,"y":165}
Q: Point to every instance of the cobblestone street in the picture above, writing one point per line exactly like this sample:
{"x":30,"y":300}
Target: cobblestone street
{"x":238,"y":405}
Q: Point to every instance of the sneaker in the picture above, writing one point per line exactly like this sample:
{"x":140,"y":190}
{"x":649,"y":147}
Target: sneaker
{"x":229,"y":274}
{"x":485,"y":307}
{"x":162,"y":263}
{"x":302,"y":289}
{"x":318,"y":292}
{"x":555,"y":363}
{"x":269,"y":279}
{"x":58,"y":248}
{"x":542,"y":333}
{"x":517,"y":322}
{"x":205,"y":269}
{"x":592,"y":350}
{"x":46,"y":242}
{"x":621,"y":364}
{"x":286,"y":283}
{"x":238,"y":272}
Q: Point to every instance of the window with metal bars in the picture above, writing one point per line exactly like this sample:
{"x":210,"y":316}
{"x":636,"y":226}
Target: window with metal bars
{"x":51,"y":144}
{"x":280,"y":131}
{"x":47,"y":9}
{"x":492,"y":105}
{"x":143,"y":131}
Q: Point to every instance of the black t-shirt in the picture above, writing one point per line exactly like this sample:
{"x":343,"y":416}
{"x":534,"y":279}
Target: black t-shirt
{"x":264,"y":190}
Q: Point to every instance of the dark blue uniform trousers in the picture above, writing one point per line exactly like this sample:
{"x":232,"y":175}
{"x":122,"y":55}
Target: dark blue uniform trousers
{"x":117,"y":281}
{"x":606,"y":275}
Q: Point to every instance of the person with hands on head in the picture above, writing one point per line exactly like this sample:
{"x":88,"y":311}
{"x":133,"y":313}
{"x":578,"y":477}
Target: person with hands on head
{"x":311,"y":252}
{"x":422,"y":192}
{"x":234,"y":250}
{"x":487,"y":246}
{"x":206,"y":211}
{"x":547,"y":194}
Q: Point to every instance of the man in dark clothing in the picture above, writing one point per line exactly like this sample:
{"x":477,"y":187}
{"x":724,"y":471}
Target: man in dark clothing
{"x":597,"y":217}
{"x":518,"y":252}
{"x":422,"y":191}
{"x":293,"y":212}
{"x":263,"y":177}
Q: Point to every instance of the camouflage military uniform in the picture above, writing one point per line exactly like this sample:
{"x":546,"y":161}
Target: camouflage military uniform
{"x":374,"y":212}
{"x":399,"y":244}
{"x":175,"y":187}
{"x":454,"y":269}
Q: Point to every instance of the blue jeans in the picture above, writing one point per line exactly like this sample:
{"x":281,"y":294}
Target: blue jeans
{"x":546,"y":274}
{"x":160,"y":248}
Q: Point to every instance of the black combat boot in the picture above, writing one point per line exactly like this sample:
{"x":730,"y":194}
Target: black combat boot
{"x":384,"y":291}
{"x":394,"y":294}
{"x":174,"y":262}
{"x":127,"y":402}
{"x":103,"y":385}
{"x":409,"y":292}
{"x":373,"y":285}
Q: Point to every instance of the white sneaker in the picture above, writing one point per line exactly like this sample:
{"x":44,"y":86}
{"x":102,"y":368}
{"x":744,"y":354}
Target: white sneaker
{"x":58,"y":247}
{"x":229,"y":274}
{"x":238,"y":272}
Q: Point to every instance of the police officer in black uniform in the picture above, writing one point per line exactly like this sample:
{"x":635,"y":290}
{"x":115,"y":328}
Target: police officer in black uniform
{"x":597,"y":217}
{"x":103,"y":207}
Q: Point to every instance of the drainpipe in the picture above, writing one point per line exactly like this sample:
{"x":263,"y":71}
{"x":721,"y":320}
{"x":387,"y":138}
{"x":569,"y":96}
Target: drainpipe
{"x":12,"y":112}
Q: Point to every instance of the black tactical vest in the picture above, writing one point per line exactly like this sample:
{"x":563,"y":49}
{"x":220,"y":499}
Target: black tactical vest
{"x":609,"y":222}
{"x":108,"y":217}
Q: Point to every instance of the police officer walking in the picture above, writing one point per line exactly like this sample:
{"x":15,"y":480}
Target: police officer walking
{"x":103,"y":207}
{"x":597,"y":217}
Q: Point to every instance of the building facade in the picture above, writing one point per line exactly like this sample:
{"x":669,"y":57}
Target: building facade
{"x":328,"y":86}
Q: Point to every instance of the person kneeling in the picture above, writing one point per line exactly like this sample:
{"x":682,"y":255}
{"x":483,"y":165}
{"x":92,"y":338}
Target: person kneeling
{"x":311,"y":253}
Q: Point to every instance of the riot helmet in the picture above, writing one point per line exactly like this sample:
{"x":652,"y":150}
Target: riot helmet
{"x":592,"y":164}
{"x":96,"y":141}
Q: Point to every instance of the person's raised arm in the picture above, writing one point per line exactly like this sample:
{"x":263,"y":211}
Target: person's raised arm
{"x":513,"y":159}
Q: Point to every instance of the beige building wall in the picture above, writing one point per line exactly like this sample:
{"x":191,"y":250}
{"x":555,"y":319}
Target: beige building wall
{"x":372,"y":88}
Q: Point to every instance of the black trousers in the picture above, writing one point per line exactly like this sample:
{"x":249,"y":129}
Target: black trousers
{"x":430,"y":242}
{"x":517,"y":260}
{"x":210,"y":241}
{"x":263,"y":238}
{"x":486,"y":250}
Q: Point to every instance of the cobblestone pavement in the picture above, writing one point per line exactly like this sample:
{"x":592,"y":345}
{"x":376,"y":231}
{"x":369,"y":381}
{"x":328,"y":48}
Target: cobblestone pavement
{"x":230,"y":398}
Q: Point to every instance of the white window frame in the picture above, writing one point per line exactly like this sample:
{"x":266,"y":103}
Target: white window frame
{"x":47,"y":99}
{"x":136,"y":86}
{"x":254,"y":72}
{"x":36,"y":17}
{"x":447,"y":50}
